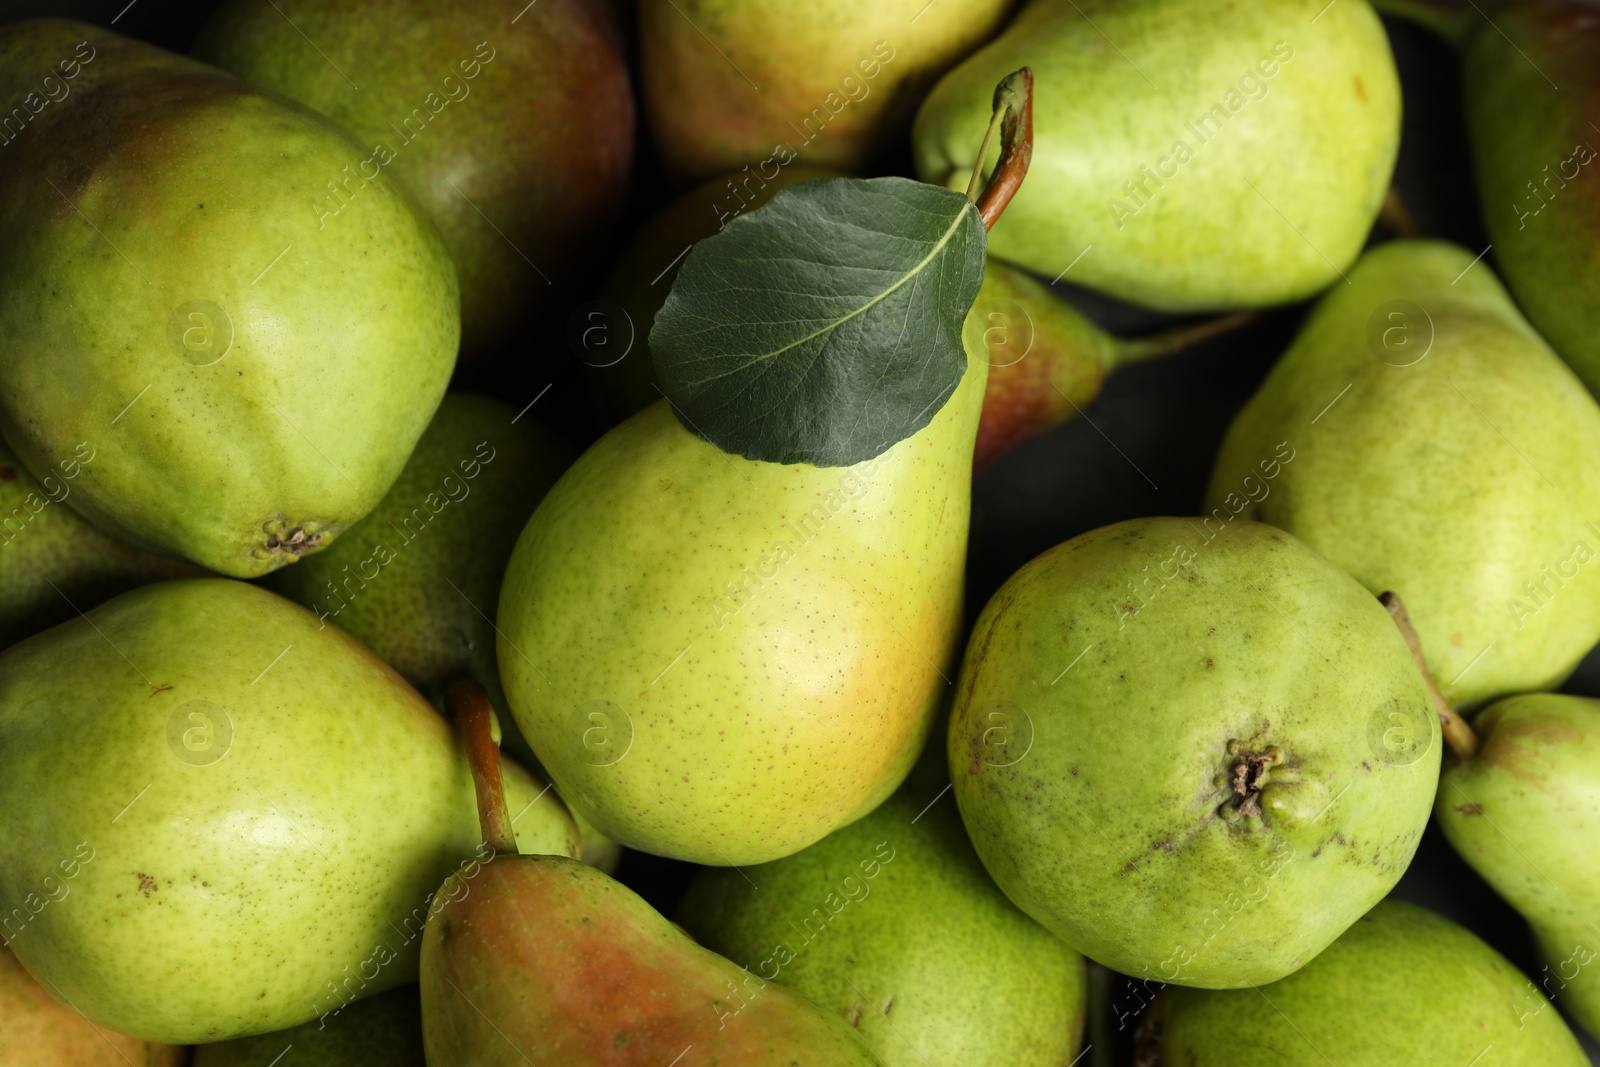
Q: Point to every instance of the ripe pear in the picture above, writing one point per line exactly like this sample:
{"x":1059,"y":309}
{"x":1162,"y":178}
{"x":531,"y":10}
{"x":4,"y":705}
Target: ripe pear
{"x":1442,"y":451}
{"x":249,"y":373}
{"x":539,"y":959}
{"x":1402,"y":985}
{"x":1196,"y":755}
{"x":514,"y":131}
{"x":224,"y":818}
{"x":618,"y":354}
{"x":37,"y":1030}
{"x":380,"y":1031}
{"x":53,"y":561}
{"x":722,"y":660}
{"x":761,"y":83}
{"x":1158,"y":169}
{"x":892,"y":923}
{"x":417,"y":580}
{"x":1523,"y":812}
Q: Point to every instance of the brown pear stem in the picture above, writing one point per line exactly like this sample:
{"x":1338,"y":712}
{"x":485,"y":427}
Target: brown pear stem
{"x":1457,"y":734}
{"x":1013,"y":109}
{"x":469,"y":703}
{"x":1178,"y":338}
{"x":1396,"y":215}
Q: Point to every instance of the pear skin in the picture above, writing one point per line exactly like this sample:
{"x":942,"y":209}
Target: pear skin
{"x":249,"y":370}
{"x":545,"y":960}
{"x":53,"y":561}
{"x":514,"y":132}
{"x":224,"y":818}
{"x":722,"y":660}
{"x":893,"y":924}
{"x":37,"y":1030}
{"x":729,"y":83}
{"x":380,"y":1031}
{"x":1402,"y":985}
{"x":1441,"y":451}
{"x":1537,"y":163}
{"x":1524,"y":812}
{"x":1160,"y":167}
{"x":1170,"y":749}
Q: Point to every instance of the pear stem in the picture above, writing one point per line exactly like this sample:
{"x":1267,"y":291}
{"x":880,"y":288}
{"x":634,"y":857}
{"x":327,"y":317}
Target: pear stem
{"x":1457,"y":734}
{"x":1396,"y":215}
{"x":469,"y":703}
{"x":1178,"y":338}
{"x":1013,"y":110}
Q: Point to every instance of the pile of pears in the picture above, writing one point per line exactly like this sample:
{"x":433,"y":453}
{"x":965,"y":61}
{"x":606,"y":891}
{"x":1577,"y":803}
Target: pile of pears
{"x":500,"y":508}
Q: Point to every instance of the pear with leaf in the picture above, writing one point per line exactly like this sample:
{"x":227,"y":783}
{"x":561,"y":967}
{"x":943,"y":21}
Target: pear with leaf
{"x":726,"y":629}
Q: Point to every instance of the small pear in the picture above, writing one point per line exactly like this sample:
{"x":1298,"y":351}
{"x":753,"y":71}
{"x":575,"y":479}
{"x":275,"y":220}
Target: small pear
{"x":248,"y":373}
{"x":893,"y":924}
{"x":730,"y":83}
{"x":53,"y":561}
{"x":1196,"y":755}
{"x":223,"y":817}
{"x":1159,"y":171}
{"x":417,"y":579}
{"x":1440,"y":450}
{"x":380,"y":1031}
{"x":1402,"y":985}
{"x":37,"y":1030}
{"x":1524,"y":811}
{"x":540,"y":959}
{"x":514,"y":131}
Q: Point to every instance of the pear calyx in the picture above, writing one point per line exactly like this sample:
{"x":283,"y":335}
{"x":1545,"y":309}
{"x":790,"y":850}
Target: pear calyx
{"x":1250,"y":773}
{"x":288,"y":541}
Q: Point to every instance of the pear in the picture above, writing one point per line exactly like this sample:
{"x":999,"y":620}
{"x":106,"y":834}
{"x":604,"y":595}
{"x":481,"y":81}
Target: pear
{"x":761,"y":83}
{"x":817,"y":617}
{"x":1400,"y":986}
{"x":224,"y":817}
{"x":893,"y":924}
{"x":37,"y":1030}
{"x":416,"y":580}
{"x":1523,"y":812}
{"x":53,"y":561}
{"x":249,"y":371}
{"x":514,"y":131}
{"x":380,"y":1031}
{"x":624,"y":382}
{"x":1526,"y":70}
{"x":539,"y":959}
{"x":1441,"y":450}
{"x":1195,"y":755}
{"x":1158,"y":170}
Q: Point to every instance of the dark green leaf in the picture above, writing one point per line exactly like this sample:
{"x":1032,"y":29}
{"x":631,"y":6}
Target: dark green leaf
{"x":825,"y":326}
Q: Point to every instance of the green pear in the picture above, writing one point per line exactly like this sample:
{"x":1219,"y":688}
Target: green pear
{"x":37,"y":1030}
{"x":1523,"y":812}
{"x":514,"y":130}
{"x":1159,"y":171}
{"x":761,"y":83}
{"x":53,"y":561}
{"x":380,"y":1031}
{"x":1196,"y":756}
{"x":224,"y":817}
{"x":249,"y":372}
{"x":624,"y":382}
{"x":722,"y":660}
{"x":1442,"y":451}
{"x":1400,"y":986}
{"x":416,"y":580}
{"x":892,"y":923}
{"x":539,"y":959}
